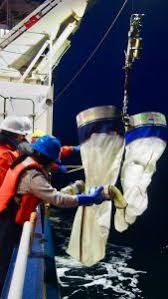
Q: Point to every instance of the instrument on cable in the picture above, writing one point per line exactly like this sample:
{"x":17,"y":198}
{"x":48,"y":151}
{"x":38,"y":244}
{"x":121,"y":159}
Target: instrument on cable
{"x":145,"y":138}
{"x":134,"y":50}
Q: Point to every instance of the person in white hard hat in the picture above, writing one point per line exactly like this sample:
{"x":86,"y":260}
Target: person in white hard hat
{"x":13,"y":130}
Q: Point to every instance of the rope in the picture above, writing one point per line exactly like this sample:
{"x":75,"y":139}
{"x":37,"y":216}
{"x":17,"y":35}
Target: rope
{"x":94,"y":51}
{"x":73,"y":166}
{"x":132,"y":6}
{"x":90,"y":56}
{"x":75,"y":169}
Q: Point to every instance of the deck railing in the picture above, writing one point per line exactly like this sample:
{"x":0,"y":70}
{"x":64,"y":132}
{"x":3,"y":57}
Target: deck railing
{"x":18,"y":278}
{"x":35,"y":257}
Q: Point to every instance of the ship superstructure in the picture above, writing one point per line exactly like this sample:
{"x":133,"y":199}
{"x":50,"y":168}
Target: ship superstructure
{"x":29,"y":52}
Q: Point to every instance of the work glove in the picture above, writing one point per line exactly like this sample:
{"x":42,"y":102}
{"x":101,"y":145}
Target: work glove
{"x":95,"y":197}
{"x":58,"y":168}
{"x":76,"y":148}
{"x":120,"y":203}
{"x":115,"y":194}
{"x":62,"y":168}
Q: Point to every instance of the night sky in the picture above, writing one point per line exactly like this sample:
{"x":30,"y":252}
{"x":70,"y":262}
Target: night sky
{"x":101,"y":83}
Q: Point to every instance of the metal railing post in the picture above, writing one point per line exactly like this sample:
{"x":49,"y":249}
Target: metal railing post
{"x":17,"y":283}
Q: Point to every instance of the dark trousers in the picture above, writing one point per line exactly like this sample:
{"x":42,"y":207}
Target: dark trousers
{"x":9,"y":237}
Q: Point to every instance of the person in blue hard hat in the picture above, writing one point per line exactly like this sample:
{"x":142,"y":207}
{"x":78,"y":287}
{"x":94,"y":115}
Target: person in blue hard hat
{"x":28,"y":188}
{"x":65,"y":151}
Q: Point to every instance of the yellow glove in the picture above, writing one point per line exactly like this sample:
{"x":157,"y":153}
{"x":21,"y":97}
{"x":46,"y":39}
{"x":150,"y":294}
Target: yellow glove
{"x":115,"y":194}
{"x":120,"y":203}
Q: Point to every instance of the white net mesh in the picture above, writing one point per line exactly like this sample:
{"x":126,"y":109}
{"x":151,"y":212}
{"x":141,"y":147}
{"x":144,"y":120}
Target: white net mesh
{"x":145,"y":145}
{"x":101,"y":157}
{"x":136,"y":174}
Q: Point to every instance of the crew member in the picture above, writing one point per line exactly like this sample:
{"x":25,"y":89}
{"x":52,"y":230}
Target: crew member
{"x":13,"y":131}
{"x":28,"y":188}
{"x":66,"y":150}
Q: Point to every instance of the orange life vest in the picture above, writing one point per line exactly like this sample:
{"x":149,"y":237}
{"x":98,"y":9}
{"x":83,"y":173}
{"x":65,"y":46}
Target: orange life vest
{"x":7,"y":156}
{"x":8,"y":190}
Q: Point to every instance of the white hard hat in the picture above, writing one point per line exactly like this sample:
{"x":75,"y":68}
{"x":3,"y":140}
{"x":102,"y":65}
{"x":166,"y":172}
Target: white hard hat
{"x":27,"y":125}
{"x":16,"y":124}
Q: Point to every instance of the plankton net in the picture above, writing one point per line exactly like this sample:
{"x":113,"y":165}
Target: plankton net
{"x":101,"y":140}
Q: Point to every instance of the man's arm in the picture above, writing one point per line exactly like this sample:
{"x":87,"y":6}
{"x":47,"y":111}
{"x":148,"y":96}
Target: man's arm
{"x":35,"y":183}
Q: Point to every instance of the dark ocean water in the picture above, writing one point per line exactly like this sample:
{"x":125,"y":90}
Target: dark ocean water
{"x":125,"y":273}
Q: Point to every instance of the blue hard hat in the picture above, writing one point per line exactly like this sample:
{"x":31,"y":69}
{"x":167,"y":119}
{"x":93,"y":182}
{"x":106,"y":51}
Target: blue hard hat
{"x":49,"y":146}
